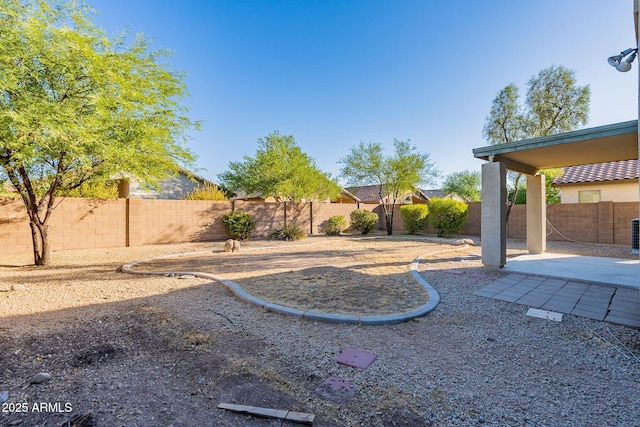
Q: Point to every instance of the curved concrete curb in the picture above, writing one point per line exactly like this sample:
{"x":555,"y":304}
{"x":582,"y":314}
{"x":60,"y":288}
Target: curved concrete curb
{"x":431,"y":304}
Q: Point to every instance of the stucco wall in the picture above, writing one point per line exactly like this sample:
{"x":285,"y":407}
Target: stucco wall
{"x":626,"y":191}
{"x":175,"y":188}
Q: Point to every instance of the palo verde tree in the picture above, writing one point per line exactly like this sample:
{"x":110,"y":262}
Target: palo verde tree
{"x":395,"y":175}
{"x":555,"y":103}
{"x":78,"y":107}
{"x":280,"y":169}
{"x":465,"y":184}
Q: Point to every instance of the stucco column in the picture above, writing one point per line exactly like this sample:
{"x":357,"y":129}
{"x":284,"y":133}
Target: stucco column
{"x":536,"y":214}
{"x":493,"y":227}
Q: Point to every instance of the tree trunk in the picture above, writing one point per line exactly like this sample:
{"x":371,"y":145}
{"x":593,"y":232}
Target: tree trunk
{"x":510,"y":203}
{"x":40,"y":240}
{"x":389,"y":220}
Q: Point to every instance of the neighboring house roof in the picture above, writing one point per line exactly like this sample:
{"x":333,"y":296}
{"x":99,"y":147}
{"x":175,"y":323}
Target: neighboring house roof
{"x":350,"y":195}
{"x":371,"y":193}
{"x":430,"y":194}
{"x":366,"y":193}
{"x":242,"y":195}
{"x":599,"y":172}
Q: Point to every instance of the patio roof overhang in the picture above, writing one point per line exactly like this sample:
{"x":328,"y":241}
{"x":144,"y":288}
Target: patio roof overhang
{"x":618,"y":141}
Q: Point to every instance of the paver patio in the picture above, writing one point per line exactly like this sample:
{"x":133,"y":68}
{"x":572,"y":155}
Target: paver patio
{"x":612,"y":304}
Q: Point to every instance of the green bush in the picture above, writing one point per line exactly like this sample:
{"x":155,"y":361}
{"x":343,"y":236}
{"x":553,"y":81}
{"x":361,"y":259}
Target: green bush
{"x":363,"y":221}
{"x":414,"y":217}
{"x":207,"y":192}
{"x":447,"y":216}
{"x":334,"y":225}
{"x":288,"y":233}
{"x":95,"y":190}
{"x":240,"y":225}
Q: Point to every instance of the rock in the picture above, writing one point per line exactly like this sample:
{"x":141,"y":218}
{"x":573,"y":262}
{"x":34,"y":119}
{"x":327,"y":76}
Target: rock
{"x":461,"y":242}
{"x":4,"y":396}
{"x":18,"y":287}
{"x":236,"y":246}
{"x":41,"y":377}
{"x":228,"y":246}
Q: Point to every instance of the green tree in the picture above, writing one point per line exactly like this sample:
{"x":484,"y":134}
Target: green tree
{"x":281,"y":170}
{"x":394,"y":175}
{"x":466,"y":185}
{"x":552,"y":193}
{"x":555,"y":103}
{"x":77,"y":107}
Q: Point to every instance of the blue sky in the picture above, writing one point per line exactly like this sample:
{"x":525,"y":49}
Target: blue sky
{"x":334,"y":73}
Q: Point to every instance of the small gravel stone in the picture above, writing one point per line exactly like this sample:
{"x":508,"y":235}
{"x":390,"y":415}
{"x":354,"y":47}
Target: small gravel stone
{"x":40,"y":378}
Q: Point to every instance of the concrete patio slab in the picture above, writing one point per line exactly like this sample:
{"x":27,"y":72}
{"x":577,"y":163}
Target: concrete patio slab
{"x":610,"y":271}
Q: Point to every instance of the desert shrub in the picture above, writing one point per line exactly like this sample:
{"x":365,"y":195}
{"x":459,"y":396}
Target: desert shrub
{"x":447,"y":216}
{"x":288,"y":233}
{"x":414,"y":217}
{"x":334,"y":225}
{"x":363,"y":221}
{"x":95,"y":190}
{"x":240,"y":225}
{"x":207,"y":192}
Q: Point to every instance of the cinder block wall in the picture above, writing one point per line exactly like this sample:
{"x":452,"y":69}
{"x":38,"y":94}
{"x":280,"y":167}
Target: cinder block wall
{"x":323,"y":211}
{"x":91,"y":223}
{"x":604,"y":222}
{"x":74,"y":224}
{"x":472,"y":226}
{"x":88,"y":223}
{"x":517,"y":222}
{"x":15,"y":233}
{"x":577,"y":221}
{"x":175,"y":221}
{"x":623,"y":213}
{"x":268,"y":216}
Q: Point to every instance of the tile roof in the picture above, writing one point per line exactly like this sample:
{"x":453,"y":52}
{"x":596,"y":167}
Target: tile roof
{"x":599,"y":172}
{"x":366,"y":193}
{"x":430,"y":194}
{"x":371,"y":193}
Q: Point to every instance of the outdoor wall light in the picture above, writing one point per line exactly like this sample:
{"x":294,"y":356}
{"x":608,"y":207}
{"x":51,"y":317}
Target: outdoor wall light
{"x":617,"y":60}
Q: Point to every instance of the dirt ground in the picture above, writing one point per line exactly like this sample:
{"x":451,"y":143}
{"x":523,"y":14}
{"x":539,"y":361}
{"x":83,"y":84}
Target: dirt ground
{"x":130,"y":350}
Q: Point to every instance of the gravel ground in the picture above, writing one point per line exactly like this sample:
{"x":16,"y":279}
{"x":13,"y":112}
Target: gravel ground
{"x":146,"y":351}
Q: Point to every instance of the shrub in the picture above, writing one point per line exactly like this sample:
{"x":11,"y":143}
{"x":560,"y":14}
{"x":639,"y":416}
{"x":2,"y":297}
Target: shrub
{"x":288,"y":233}
{"x":447,"y":216}
{"x":334,"y":225}
{"x":363,"y":221}
{"x":207,"y":192}
{"x":240,"y":225}
{"x":414,"y":217}
{"x":95,"y":190}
